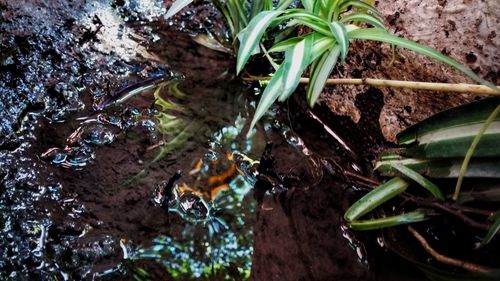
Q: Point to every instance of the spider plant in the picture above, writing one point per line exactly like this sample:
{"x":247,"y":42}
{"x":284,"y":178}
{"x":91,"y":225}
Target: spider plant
{"x":329,"y":27}
{"x":436,"y":148}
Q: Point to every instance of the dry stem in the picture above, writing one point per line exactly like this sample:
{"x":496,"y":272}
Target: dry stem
{"x":384,"y":83}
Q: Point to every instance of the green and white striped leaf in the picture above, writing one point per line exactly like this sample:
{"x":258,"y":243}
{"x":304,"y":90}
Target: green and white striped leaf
{"x":296,"y":61}
{"x":381,"y":35}
{"x":411,"y":217}
{"x":251,"y":36}
{"x":285,"y":44}
{"x":321,"y":45}
{"x":340,"y":34}
{"x":440,"y":168}
{"x":359,"y":5}
{"x":425,"y":183}
{"x":176,"y":7}
{"x":270,"y":95}
{"x":320,"y":73}
{"x":376,"y":22}
{"x":450,"y":133}
{"x":308,"y":19}
{"x":375,"y":198}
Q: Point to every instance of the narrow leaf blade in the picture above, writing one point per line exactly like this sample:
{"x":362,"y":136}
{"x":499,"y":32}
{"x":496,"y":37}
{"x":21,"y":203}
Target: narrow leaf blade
{"x":377,"y":34}
{"x":252,"y":35}
{"x":374,"y":21}
{"x":339,"y":32}
{"x":270,"y":95}
{"x":411,"y":217}
{"x":320,"y":74}
{"x":176,"y":7}
{"x":375,"y":198}
{"x":425,"y":183}
{"x":296,"y":60}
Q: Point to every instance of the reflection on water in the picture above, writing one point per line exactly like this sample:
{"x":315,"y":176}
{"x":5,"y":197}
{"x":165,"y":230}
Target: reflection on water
{"x":207,"y":185}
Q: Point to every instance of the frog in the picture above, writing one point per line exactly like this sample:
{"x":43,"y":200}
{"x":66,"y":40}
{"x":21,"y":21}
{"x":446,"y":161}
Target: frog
{"x":195,"y":202}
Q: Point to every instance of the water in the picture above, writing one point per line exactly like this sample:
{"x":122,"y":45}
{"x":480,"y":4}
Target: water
{"x":79,"y":168}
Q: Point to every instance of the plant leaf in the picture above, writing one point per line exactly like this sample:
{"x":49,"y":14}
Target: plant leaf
{"x":296,"y":60}
{"x":308,"y":5}
{"x":359,"y":5}
{"x":425,"y":183}
{"x":492,"y":231}
{"x":363,"y":18}
{"x":340,"y":34}
{"x":252,"y":35}
{"x":411,"y":217}
{"x":285,"y":44}
{"x":450,"y":133}
{"x":320,"y":73}
{"x":375,"y":198}
{"x":442,"y":168}
{"x":270,"y":95}
{"x":377,"y":34}
{"x":176,"y":7}
{"x":321,"y":45}
{"x":306,"y":18}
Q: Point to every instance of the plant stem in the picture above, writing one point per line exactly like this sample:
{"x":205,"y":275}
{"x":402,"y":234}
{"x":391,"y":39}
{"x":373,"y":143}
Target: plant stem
{"x":472,"y":148}
{"x":445,"y":259}
{"x":384,"y":83}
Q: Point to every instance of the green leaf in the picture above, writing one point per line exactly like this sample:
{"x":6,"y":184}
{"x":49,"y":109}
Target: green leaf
{"x":306,"y":18}
{"x":176,"y":7}
{"x":411,"y":217}
{"x":450,"y":133}
{"x":340,"y":34}
{"x":425,"y":183}
{"x":285,"y":44}
{"x":363,"y":18}
{"x":359,"y":5}
{"x":441,"y":168}
{"x":256,"y":6}
{"x":492,"y":231}
{"x":296,"y":60}
{"x":377,"y":34}
{"x":472,"y":113}
{"x":308,"y":5}
{"x":320,"y":73}
{"x":321,"y":45}
{"x":375,"y":198}
{"x":227,"y":16}
{"x":241,"y":13}
{"x":252,"y":35}
{"x":270,"y":95}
